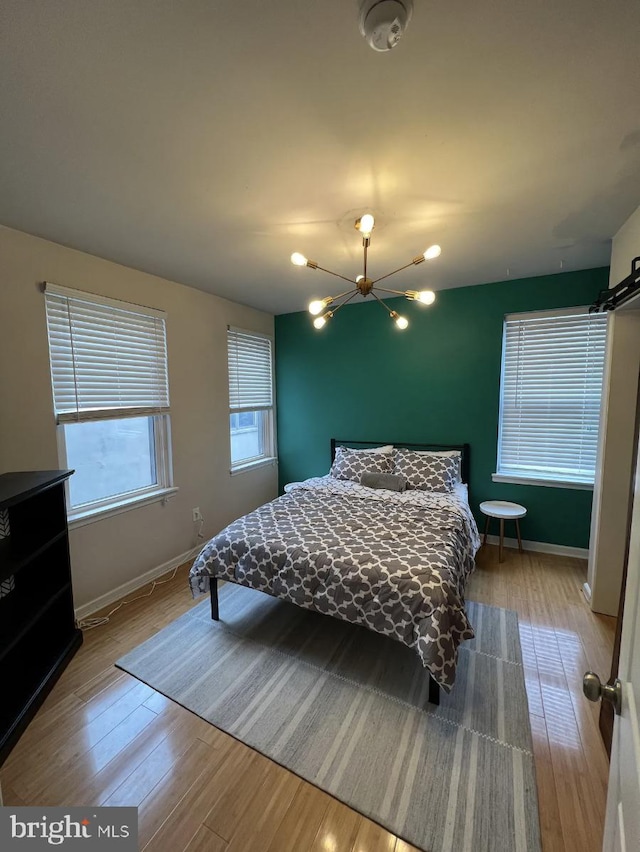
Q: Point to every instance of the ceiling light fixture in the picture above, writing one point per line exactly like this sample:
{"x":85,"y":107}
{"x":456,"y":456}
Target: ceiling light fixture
{"x":365,"y":286}
{"x":383,"y":22}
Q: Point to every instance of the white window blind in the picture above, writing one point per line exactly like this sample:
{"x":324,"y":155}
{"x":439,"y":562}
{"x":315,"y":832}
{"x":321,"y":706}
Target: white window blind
{"x":250,"y":370}
{"x":552,"y":372}
{"x":108,"y":358}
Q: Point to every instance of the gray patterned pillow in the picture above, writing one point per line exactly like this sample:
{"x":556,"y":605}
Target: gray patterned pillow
{"x":350,"y":464}
{"x":426,"y":472}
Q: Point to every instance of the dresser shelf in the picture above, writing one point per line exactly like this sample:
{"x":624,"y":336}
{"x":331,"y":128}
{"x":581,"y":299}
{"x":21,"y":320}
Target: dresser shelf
{"x":13,"y":558}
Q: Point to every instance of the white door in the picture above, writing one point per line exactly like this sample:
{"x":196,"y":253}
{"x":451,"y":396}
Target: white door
{"x":622,"y":827}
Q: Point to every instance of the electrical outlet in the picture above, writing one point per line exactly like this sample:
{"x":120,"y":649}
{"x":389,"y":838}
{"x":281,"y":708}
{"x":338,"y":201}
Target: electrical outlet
{"x":196,"y":514}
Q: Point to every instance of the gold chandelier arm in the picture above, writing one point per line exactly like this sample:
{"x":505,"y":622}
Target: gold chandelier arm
{"x":395,"y":292}
{"x":337,"y":275}
{"x":355,"y":293}
{"x":389,"y":274}
{"x":340,"y":295}
{"x":384,"y":305}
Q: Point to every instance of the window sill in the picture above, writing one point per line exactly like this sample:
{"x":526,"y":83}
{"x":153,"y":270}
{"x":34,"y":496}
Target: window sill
{"x":89,"y":516}
{"x":548,"y":483}
{"x":243,"y":468}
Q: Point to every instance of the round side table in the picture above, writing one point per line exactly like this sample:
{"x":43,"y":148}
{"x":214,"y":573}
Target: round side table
{"x":504,"y":511}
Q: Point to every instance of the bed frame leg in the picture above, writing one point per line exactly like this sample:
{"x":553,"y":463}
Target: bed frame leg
{"x":434,"y":692}
{"x":215,"y":614}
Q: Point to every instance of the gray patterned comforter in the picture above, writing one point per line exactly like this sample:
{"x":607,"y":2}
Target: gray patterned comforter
{"x":396,"y":563}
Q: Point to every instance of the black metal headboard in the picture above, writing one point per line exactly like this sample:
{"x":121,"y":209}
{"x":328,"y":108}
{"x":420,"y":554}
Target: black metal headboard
{"x":462,"y":448}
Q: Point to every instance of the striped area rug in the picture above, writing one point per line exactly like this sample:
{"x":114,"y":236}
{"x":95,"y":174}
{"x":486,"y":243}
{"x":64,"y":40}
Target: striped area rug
{"x":346,"y":709}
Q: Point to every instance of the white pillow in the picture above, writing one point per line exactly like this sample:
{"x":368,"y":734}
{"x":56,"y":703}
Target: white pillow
{"x":435,"y":452}
{"x":388,"y":448}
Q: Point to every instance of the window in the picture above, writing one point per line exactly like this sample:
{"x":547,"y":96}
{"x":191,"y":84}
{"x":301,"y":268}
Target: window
{"x":552,"y":369}
{"x":250,"y":398}
{"x":111,"y":399}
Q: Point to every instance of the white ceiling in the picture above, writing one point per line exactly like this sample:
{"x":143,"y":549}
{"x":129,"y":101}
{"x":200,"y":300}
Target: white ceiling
{"x":206,"y":141}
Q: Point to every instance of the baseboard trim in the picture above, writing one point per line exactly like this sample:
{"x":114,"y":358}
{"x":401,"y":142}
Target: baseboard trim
{"x":586,"y":591}
{"x":543,"y":547}
{"x":133,"y":585}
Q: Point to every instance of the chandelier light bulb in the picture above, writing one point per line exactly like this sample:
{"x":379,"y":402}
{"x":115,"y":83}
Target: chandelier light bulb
{"x":431,"y":252}
{"x":318,"y":305}
{"x":320,"y":322}
{"x":298,"y":259}
{"x":366,"y":224}
{"x":426,"y":297}
{"x":401,"y":322}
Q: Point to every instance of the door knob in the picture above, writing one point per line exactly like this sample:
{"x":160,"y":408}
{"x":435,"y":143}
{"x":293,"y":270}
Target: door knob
{"x":594,"y":690}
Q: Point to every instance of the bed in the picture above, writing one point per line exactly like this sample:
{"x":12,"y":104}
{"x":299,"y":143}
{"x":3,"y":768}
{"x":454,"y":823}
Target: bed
{"x":395,"y":562}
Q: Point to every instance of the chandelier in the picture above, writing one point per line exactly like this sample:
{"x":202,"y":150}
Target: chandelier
{"x":364,"y":285}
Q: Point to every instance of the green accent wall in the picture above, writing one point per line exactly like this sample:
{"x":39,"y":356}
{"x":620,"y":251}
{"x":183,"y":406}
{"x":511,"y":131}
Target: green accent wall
{"x":361,"y":378}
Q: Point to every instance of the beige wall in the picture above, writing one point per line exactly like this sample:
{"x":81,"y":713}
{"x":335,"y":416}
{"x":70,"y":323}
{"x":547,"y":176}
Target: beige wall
{"x":615,"y":453}
{"x":116,"y":550}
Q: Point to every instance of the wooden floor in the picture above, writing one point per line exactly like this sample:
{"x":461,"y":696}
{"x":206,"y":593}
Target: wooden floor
{"x":103,"y":737}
